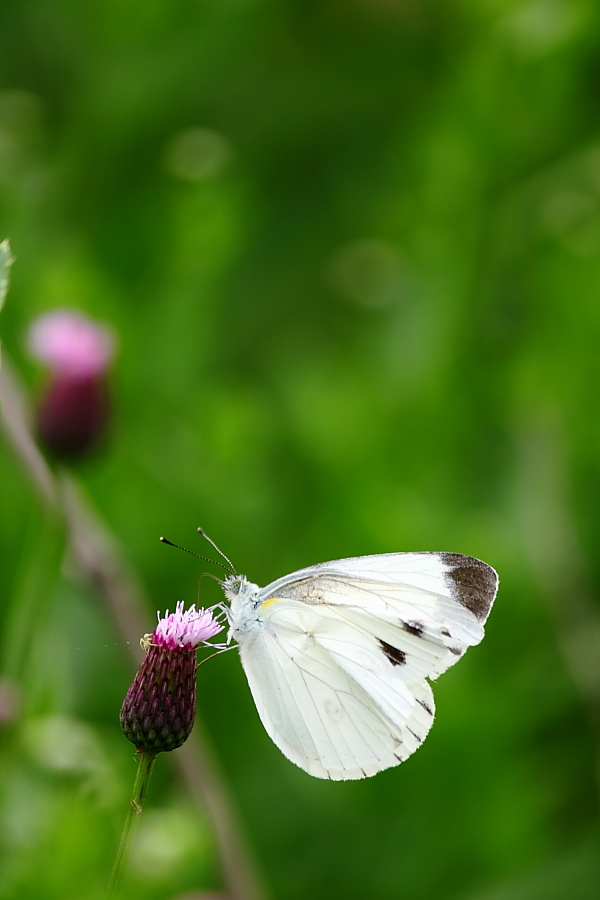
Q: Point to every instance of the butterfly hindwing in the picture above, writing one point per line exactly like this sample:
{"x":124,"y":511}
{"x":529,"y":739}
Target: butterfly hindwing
{"x":330,"y":698}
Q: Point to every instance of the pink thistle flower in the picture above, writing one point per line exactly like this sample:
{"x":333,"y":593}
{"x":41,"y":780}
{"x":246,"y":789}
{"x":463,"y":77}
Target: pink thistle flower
{"x":185,"y":629}
{"x":160,"y":706}
{"x":71,"y":344}
{"x":74,"y":411}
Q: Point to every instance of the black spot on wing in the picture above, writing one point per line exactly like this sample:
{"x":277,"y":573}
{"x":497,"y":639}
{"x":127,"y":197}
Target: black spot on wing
{"x":425,"y":706}
{"x":395,"y":656}
{"x":415,"y":628}
{"x":473,"y":583}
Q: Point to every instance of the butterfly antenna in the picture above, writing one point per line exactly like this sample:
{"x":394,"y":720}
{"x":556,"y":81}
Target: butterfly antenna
{"x":203,"y":534}
{"x":197,"y":555}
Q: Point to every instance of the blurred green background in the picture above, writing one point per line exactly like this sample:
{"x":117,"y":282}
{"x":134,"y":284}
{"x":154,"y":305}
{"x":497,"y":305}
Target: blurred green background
{"x":351,"y":249}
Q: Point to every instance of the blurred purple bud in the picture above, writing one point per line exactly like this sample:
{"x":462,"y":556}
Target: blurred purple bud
{"x":73,"y":416}
{"x":160,"y":706}
{"x":74,"y":410}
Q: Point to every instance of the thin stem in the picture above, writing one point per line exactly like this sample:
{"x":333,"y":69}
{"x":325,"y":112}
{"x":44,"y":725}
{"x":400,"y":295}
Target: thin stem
{"x":136,"y":805}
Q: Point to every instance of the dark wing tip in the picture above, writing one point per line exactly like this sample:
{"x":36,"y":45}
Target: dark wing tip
{"x":474,"y":583}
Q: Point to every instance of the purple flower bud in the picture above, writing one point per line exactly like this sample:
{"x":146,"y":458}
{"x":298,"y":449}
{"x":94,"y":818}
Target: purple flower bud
{"x":74,"y":410}
{"x":73,"y":416}
{"x":160,"y":707}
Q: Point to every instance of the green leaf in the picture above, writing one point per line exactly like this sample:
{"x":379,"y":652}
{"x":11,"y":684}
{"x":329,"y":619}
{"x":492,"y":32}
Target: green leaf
{"x":6,"y":260}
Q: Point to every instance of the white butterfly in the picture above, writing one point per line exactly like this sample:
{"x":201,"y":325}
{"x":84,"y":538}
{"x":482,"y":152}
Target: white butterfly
{"x":336,"y":655}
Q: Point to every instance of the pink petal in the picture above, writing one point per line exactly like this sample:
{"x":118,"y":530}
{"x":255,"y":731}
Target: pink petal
{"x":70,"y":343}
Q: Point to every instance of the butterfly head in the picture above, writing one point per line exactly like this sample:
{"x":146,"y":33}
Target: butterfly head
{"x":233,"y":585}
{"x":238,"y":590}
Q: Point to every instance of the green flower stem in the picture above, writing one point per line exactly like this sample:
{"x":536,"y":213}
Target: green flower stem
{"x":140,"y":787}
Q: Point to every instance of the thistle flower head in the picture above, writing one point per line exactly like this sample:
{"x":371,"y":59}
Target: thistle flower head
{"x":160,"y":707}
{"x":185,"y":629}
{"x":70,"y":343}
{"x":74,"y":410}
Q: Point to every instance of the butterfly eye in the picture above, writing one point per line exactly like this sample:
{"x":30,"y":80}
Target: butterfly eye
{"x":235,"y":587}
